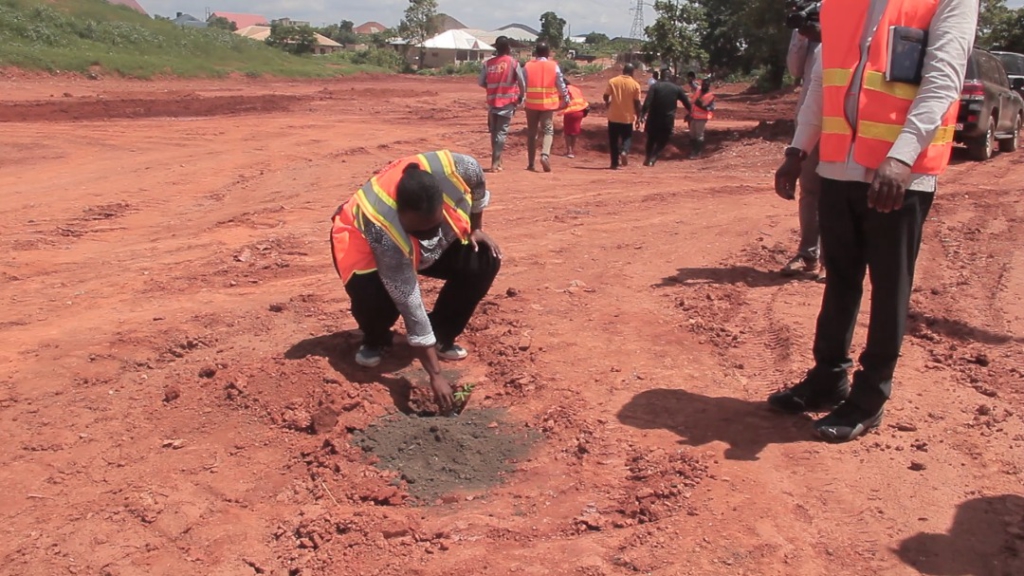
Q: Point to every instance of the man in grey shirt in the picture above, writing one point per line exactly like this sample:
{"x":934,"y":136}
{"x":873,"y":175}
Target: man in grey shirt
{"x":871,"y":216}
{"x":506,"y":87}
{"x":803,"y":54}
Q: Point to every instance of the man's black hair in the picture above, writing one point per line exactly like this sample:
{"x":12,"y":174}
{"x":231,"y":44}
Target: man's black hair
{"x":655,"y":75}
{"x":418,"y":191}
{"x":503,"y":46}
{"x":543,"y":50}
{"x":692,"y":75}
{"x":628,"y":69}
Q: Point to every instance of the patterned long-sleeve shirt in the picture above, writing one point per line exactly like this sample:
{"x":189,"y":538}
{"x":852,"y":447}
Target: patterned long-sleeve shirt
{"x":395,"y":269}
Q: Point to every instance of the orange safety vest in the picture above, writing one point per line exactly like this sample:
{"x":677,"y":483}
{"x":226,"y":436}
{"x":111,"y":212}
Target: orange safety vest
{"x":577,"y":103}
{"x":502,"y":84}
{"x":882,"y":107}
{"x":699,"y":113}
{"x":374,"y":204}
{"x":541,"y":90}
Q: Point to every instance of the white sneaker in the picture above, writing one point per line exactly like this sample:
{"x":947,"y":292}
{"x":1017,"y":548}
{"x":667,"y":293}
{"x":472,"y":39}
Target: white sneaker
{"x":453,"y":353}
{"x":369,"y":357}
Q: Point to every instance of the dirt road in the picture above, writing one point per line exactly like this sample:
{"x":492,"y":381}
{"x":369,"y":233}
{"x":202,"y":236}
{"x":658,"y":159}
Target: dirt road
{"x":178,"y":397}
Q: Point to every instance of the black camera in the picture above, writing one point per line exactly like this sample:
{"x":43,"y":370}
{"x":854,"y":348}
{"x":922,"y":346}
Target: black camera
{"x":803,"y":13}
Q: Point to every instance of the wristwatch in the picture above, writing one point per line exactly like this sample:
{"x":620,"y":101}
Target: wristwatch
{"x":794,"y":152}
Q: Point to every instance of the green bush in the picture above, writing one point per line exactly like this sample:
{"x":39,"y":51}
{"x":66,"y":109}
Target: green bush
{"x":383,"y":58}
{"x":75,"y":35}
{"x":462,"y":69}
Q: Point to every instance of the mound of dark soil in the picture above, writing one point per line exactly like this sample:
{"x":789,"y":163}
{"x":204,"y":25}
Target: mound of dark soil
{"x":437,"y":456}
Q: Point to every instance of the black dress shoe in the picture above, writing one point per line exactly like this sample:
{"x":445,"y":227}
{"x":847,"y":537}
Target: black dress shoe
{"x":848,"y":422}
{"x":811,"y":395}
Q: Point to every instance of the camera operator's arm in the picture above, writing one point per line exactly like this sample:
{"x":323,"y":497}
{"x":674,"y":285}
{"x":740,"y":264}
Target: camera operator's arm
{"x":796,"y":58}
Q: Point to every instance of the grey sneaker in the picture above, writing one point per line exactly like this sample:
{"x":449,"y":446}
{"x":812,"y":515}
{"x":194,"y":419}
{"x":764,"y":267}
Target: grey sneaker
{"x":368,"y":357}
{"x":545,"y":162}
{"x":453,"y":352}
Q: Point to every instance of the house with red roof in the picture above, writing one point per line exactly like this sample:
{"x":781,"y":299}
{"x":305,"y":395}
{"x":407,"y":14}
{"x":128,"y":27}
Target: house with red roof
{"x":241,"y":20}
{"x":129,"y":3}
{"x":369,"y":28}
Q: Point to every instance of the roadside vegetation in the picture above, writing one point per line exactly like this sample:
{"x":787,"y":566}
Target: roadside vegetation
{"x":83,"y":35}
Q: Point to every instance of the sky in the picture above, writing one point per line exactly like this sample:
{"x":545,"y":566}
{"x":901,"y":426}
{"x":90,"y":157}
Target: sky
{"x":613,"y":17}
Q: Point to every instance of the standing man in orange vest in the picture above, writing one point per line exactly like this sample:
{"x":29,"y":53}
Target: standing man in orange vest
{"x":545,"y":94}
{"x":884,"y":137}
{"x":421,"y":215}
{"x":505,"y":92}
{"x":702,"y":111}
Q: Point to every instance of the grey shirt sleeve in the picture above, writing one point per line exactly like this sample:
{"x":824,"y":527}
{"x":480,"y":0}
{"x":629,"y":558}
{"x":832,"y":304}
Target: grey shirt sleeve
{"x":472,"y":174}
{"x":950,"y":40}
{"x":808,"y":124}
{"x":401,"y":281}
{"x":797,"y":55}
{"x":560,"y":84}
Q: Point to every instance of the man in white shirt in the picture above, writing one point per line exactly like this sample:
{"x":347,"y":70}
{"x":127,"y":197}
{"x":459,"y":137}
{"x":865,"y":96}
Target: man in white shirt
{"x":882,"y":145}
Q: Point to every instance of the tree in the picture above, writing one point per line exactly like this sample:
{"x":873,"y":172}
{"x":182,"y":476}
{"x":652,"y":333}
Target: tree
{"x":222,"y":23}
{"x":676,"y":33}
{"x":597,"y":38}
{"x":991,"y":15}
{"x":419,"y":24}
{"x":1008,"y":32}
{"x":294,"y":39}
{"x":552,"y":30}
{"x":342,"y":33}
{"x":766,"y":40}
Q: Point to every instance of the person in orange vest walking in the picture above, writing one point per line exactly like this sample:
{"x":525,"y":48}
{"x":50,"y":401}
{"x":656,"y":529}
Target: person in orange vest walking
{"x":702,"y":111}
{"x":572,"y":121}
{"x":884,"y":131}
{"x":420,"y":215}
{"x":546,"y":93}
{"x":505,"y":92}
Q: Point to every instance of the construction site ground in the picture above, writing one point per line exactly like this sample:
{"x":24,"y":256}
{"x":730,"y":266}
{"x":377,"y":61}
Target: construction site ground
{"x":178,"y":393}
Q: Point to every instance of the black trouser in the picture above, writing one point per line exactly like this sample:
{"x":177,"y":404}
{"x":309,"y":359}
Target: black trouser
{"x":620,"y":138}
{"x":468,"y":276}
{"x":856,"y":238}
{"x":659,"y":132}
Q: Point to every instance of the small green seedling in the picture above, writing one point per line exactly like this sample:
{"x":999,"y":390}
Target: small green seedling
{"x":463,"y":393}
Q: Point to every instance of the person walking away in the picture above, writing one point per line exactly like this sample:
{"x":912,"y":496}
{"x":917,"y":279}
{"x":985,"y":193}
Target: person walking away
{"x":659,"y":115}
{"x":572,"y":120}
{"x":803,"y":53}
{"x":622,"y":97}
{"x":545,"y":94}
{"x":883,"y":145}
{"x":420,"y":215}
{"x":505,"y":92}
{"x":653,"y":79}
{"x":703,"y":110}
{"x":692,"y":84}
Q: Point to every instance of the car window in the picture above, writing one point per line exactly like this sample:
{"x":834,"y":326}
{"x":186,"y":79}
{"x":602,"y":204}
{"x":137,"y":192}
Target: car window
{"x":992,"y":70}
{"x":1013,"y":63}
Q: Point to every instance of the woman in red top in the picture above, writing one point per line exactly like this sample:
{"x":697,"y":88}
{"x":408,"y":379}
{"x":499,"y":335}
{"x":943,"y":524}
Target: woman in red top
{"x":572,"y":123}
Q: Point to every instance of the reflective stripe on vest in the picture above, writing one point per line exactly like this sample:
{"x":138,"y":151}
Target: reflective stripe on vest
{"x":502,"y":85}
{"x":882,"y":106}
{"x":699,"y":113}
{"x":375,"y":202}
{"x":577,"y":103}
{"x":541,"y":90}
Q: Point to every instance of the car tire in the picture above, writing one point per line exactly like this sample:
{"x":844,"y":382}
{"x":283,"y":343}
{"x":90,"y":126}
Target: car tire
{"x":984,"y":147}
{"x":1011,"y":144}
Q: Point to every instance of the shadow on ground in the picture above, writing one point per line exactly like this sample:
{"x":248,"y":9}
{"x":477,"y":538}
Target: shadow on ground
{"x":986,"y":539}
{"x":746,"y":275}
{"x":747,"y":427}
{"x":958,"y":329}
{"x":340,"y":349}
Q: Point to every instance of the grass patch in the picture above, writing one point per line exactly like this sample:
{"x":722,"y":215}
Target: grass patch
{"x":78,"y":35}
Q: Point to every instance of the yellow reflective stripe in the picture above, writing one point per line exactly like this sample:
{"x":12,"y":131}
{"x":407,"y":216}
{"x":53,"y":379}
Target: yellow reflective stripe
{"x":836,"y":77}
{"x":835,"y":125}
{"x":378,"y":206}
{"x":876,"y":81}
{"x":890,"y":132}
